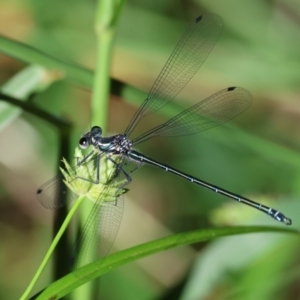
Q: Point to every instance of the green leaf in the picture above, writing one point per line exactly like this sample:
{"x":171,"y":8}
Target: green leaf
{"x":28,"y":54}
{"x":89,"y":272}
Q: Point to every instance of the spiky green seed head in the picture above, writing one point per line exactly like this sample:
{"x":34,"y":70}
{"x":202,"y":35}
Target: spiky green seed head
{"x":108,"y":186}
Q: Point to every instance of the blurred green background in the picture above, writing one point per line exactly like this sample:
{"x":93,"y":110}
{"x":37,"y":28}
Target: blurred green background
{"x":256,"y":155}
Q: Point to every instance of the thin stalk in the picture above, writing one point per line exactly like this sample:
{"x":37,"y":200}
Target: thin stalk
{"x":101,"y":91}
{"x":105,"y":31}
{"x":53,"y":246}
{"x":101,"y":87}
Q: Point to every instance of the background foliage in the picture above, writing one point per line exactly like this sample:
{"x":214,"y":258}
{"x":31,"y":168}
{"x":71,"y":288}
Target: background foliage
{"x":256,"y":155}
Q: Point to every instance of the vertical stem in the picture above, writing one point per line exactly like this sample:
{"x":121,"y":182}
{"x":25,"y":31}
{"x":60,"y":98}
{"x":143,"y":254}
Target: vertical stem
{"x":101,"y":87}
{"x":100,"y":99}
{"x":105,"y":19}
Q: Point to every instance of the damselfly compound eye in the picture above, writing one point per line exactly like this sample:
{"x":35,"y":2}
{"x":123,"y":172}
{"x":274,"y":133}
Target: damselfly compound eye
{"x":84,"y":143}
{"x":96,"y":130}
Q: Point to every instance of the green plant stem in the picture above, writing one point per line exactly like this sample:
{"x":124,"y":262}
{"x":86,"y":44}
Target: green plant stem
{"x":101,"y":90}
{"x":101,"y":87}
{"x":105,"y":31}
{"x":52,"y":246}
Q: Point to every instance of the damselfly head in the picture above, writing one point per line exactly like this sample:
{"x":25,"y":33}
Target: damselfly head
{"x":90,"y":137}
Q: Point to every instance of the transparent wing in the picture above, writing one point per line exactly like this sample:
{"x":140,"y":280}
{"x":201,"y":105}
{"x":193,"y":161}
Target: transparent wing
{"x":92,"y":243}
{"x":54,"y":193}
{"x":185,"y":60}
{"x":213,"y":111}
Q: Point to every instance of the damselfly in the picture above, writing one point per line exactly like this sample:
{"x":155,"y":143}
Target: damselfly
{"x":187,"y":57}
